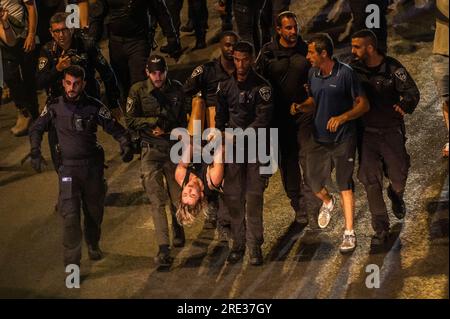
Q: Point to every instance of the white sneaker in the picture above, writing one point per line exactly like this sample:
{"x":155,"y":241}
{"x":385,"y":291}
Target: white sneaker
{"x":325,"y":213}
{"x":348,"y":242}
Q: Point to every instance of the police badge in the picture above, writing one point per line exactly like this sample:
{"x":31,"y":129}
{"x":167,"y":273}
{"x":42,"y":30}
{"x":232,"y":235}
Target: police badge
{"x":401,"y":74}
{"x":105,"y":113}
{"x":130,"y":105}
{"x":266,"y":93}
{"x":42,"y":63}
{"x":197,"y":71}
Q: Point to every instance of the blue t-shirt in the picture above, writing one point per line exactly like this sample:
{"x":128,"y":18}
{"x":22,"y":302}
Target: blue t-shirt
{"x":334,"y":95}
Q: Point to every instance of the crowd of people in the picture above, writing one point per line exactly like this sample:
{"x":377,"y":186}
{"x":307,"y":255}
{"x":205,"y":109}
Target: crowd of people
{"x":330,"y":115}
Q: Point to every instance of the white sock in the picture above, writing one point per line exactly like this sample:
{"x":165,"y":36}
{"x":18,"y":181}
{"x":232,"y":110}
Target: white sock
{"x":349,"y":232}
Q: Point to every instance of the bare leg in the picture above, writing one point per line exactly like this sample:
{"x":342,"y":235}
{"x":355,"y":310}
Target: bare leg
{"x":324,"y":196}
{"x":347,"y":204}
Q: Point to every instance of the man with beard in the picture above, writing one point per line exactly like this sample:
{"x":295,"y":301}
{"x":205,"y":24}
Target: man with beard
{"x":203,"y":84}
{"x":392,"y":93}
{"x":154,"y":108}
{"x":75,"y":115}
{"x":283,"y":62}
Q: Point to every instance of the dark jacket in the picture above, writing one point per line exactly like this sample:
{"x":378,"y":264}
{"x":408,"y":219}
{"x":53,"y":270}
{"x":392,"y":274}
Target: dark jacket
{"x":87,"y":56}
{"x":205,"y":79}
{"x":244,"y":105}
{"x":148,"y":107}
{"x":76,"y":126}
{"x":386,"y":86}
{"x":287,"y":71}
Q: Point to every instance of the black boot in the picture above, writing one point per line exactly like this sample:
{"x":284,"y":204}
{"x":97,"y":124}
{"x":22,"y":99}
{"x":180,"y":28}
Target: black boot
{"x":188,"y":27}
{"x":178,"y":234}
{"x":163,"y":257}
{"x":256,"y":258}
{"x":200,"y":42}
{"x":172,"y":48}
{"x":236,"y":254}
{"x":95,"y":252}
{"x":398,"y":204}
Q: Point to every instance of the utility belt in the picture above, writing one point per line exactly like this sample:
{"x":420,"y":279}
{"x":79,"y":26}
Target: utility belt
{"x":385,"y":130}
{"x":97,"y":159}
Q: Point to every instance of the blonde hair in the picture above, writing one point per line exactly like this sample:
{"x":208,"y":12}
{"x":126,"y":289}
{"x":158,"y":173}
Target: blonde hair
{"x":186,"y":214}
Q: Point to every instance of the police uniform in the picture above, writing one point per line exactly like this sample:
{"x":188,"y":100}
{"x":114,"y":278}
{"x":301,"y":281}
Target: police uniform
{"x":287,"y":71}
{"x":81,"y":179}
{"x":383,"y":141}
{"x":244,"y":105}
{"x":127,"y":24}
{"x":89,"y":57}
{"x":205,"y":79}
{"x":148,"y":107}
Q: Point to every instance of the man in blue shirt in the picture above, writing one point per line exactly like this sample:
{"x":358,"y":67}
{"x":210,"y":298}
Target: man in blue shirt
{"x":336,"y":98}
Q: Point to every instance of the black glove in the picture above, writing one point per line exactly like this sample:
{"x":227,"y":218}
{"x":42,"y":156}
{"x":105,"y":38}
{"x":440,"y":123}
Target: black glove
{"x":127,"y":153}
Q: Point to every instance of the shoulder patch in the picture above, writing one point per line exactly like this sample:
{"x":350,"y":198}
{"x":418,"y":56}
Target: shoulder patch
{"x":266,"y":93}
{"x":105,"y":113}
{"x":42,"y":63}
{"x":130,"y":105}
{"x":101,"y":59}
{"x":197,"y":71}
{"x":44,"y":111}
{"x":401,"y":74}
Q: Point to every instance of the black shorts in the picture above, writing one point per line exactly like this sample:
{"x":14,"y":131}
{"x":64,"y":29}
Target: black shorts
{"x":322,"y":158}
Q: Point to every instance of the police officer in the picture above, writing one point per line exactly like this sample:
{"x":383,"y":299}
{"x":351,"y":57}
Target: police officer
{"x":205,"y":79}
{"x":127,"y":24}
{"x":155,"y":107}
{"x":67,"y":49}
{"x":247,"y":14}
{"x":244,"y":101}
{"x":392,"y":93}
{"x":75,"y":115}
{"x":283,"y":62}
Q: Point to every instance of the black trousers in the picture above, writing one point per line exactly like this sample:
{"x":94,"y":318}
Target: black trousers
{"x":128,"y":59}
{"x":19,"y":70}
{"x":293,"y":142}
{"x":227,"y":18}
{"x":80,"y":187}
{"x":247,"y":14}
{"x":383,"y":153}
{"x":244,"y":198}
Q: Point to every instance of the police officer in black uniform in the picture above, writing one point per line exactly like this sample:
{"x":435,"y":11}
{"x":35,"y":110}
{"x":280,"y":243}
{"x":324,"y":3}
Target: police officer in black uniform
{"x":392,"y":93}
{"x":75,"y":115}
{"x":205,"y":79}
{"x":128,"y":26}
{"x":244,"y":101}
{"x":68,"y":48}
{"x":154,"y":107}
{"x":283,"y":62}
